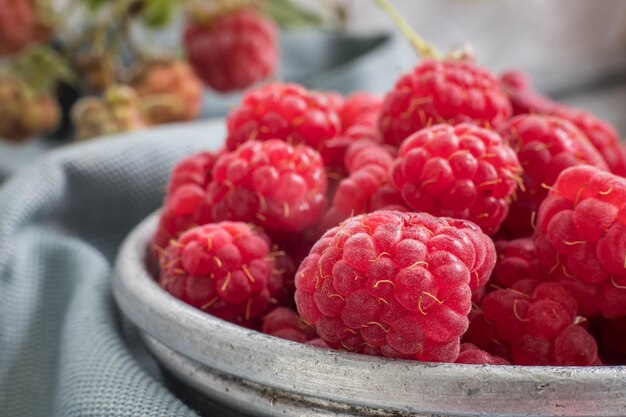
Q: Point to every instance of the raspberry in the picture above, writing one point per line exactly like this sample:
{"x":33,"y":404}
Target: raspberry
{"x":118,"y":111}
{"x":611,"y":337}
{"x":471,"y":354}
{"x":394,"y":284}
{"x":360,"y":109}
{"x":283,"y":111}
{"x":545,"y":146}
{"x":232,"y":51}
{"x":461,"y":171}
{"x":359,"y":116}
{"x":271,"y":183}
{"x":581,"y":238}
{"x":524,"y":100}
{"x":171,"y":91}
{"x":225,"y":269}
{"x":442,"y":92}
{"x":283,"y":322}
{"x":601,"y":134}
{"x":365,"y":189}
{"x":19,"y":26}
{"x":25,"y":113}
{"x":185,"y":197}
{"x":517,"y":260}
{"x":535,"y":324}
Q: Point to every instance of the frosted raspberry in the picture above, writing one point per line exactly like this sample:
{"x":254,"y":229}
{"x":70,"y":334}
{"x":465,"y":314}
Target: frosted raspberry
{"x":581,"y":238}
{"x":461,"y":171}
{"x":283,"y":111}
{"x":471,"y":354}
{"x":545,"y":146}
{"x":234,"y":50}
{"x":171,"y":91}
{"x":225,"y":269}
{"x":442,"y":92}
{"x":271,"y":183}
{"x":517,"y":260}
{"x":534,"y":324}
{"x":185,"y":195}
{"x":19,"y":26}
{"x":394,"y":284}
{"x":283,"y":322}
{"x":600,"y":133}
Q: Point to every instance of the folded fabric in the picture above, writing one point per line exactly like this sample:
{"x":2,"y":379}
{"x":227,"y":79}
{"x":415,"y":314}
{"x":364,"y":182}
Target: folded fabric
{"x":64,"y":348}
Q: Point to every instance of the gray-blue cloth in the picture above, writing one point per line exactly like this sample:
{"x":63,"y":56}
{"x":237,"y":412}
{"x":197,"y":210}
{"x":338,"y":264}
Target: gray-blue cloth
{"x":64,"y":349}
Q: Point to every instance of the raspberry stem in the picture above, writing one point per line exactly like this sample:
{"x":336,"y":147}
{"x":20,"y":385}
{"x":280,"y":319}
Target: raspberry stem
{"x":423,"y":48}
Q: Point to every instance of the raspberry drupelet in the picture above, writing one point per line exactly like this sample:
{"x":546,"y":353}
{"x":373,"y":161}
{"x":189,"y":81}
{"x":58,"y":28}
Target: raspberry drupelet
{"x":283,"y":111}
{"x":581,"y":239}
{"x":225,"y":269}
{"x":545,"y":146}
{"x":533,"y":323}
{"x":272,"y":183}
{"x":461,"y":171}
{"x":445,"y":91}
{"x":233,"y":50}
{"x":394,"y":284}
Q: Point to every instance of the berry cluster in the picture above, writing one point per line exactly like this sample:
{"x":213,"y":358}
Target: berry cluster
{"x":460,"y":218}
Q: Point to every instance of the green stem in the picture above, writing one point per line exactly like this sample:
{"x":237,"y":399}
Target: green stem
{"x":423,"y":48}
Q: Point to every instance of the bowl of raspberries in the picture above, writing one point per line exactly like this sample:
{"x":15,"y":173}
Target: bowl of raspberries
{"x":456,"y":247}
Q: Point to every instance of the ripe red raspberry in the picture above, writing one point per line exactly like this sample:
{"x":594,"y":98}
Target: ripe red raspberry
{"x":545,"y":146}
{"x":600,"y":133}
{"x":471,"y":354}
{"x":394,"y":284}
{"x":461,"y":171}
{"x":365,"y":189}
{"x":611,"y":337}
{"x":185,"y":195}
{"x":523,"y":98}
{"x":442,"y":92}
{"x":581,"y":238}
{"x":234,"y":50}
{"x":225,"y":269}
{"x":19,"y":26}
{"x":359,"y":116}
{"x":283,"y":322}
{"x":517,"y":260}
{"x":534,"y":324}
{"x":283,"y":111}
{"x":274,"y":184}
{"x":171,"y":91}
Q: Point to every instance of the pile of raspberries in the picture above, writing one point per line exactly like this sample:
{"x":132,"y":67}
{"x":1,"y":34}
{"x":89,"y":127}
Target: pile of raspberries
{"x":460,"y":218}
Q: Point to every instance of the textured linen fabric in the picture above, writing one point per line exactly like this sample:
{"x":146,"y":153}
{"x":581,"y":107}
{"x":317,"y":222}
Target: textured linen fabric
{"x":64,"y":348}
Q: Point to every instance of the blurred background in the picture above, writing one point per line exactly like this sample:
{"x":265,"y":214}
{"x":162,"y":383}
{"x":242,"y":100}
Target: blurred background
{"x":573,"y":50}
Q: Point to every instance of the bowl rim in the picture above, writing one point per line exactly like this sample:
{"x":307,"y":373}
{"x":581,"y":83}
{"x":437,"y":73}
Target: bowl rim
{"x":349,"y":378}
